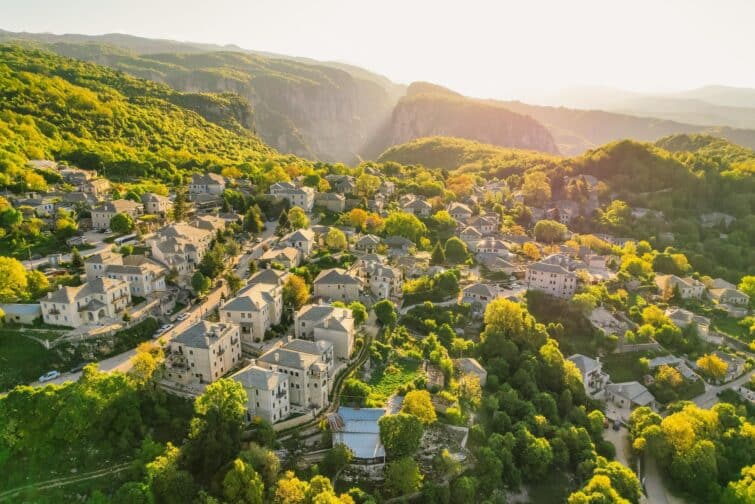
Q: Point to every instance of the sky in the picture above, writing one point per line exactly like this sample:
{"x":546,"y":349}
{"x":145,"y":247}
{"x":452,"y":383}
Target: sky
{"x":489,"y":49}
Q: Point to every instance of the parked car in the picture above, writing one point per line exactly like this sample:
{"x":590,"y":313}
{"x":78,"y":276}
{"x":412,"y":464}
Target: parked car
{"x":616,"y":425}
{"x":183,"y":316}
{"x":49,"y":376}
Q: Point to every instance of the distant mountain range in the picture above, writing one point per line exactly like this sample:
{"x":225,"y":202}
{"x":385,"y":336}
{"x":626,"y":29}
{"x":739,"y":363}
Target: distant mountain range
{"x":337,"y":112}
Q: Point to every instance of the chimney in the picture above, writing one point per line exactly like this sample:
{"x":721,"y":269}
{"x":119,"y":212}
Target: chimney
{"x":277,"y":357}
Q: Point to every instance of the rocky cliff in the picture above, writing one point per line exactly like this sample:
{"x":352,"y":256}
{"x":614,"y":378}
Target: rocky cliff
{"x":429,"y":110}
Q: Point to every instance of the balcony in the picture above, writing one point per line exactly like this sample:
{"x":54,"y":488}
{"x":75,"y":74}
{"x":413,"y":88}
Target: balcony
{"x":281,"y":394}
{"x":54,"y":311}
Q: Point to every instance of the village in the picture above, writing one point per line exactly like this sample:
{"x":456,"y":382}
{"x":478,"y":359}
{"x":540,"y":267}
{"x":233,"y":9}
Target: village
{"x":290,"y":302}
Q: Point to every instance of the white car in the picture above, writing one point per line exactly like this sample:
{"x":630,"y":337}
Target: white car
{"x":182,"y":317}
{"x":49,"y":376}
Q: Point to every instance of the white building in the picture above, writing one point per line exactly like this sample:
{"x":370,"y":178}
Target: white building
{"x":479,"y":294}
{"x":143,"y":275}
{"x":338,"y":285}
{"x":266,"y":392}
{"x":180,"y":246}
{"x":257,"y":307}
{"x":303,"y":197}
{"x":327,"y":323}
{"x":156,"y":204}
{"x":90,"y":303}
{"x":206,"y":183}
{"x":689,"y":288}
{"x":552,"y":279}
{"x":204,"y":352}
{"x":302,"y":239}
{"x":101,"y":215}
{"x":308,"y":366}
{"x":593,"y":376}
{"x":459,"y":211}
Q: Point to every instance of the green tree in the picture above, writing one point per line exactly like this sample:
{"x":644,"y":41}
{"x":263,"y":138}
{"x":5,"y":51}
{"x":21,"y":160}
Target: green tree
{"x":401,"y":434}
{"x":284,"y":226}
{"x":444,"y":224}
{"x":76,"y":260}
{"x":367,"y":184}
{"x":122,"y":223}
{"x":295,"y":292}
{"x":14,"y":284}
{"x":438,"y":256}
{"x":402,"y":476}
{"x":180,"y":205}
{"x":213,"y":261}
{"x":234,"y":282}
{"x":456,"y":250}
{"x":741,"y":491}
{"x":215,"y":431}
{"x":336,"y":459}
{"x":297,"y":219}
{"x":536,"y":188}
{"x":463,"y":489}
{"x":200,"y":283}
{"x":336,"y":240}
{"x":549,"y":231}
{"x":133,"y":492}
{"x":253,"y":220}
{"x":747,"y":286}
{"x":385,"y":311}
{"x":417,"y":403}
{"x":243,"y":485}
{"x":355,"y":391}
{"x":359,"y":312}
{"x":404,"y":224}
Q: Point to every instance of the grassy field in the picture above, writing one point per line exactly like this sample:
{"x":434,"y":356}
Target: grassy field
{"x":624,"y":367}
{"x":730,"y":326}
{"x":23,"y":360}
{"x":385,"y":381}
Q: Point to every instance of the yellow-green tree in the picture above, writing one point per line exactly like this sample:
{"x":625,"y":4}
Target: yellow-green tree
{"x":418,"y":403}
{"x":713,"y":366}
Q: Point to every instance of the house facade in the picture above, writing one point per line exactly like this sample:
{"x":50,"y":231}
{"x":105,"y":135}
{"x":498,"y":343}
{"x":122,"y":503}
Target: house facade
{"x":143,"y":275}
{"x":90,"y":303}
{"x":204,"y":352}
{"x":266,"y":392}
{"x":327,"y":323}
{"x":206,"y":183}
{"x":257,"y":307}
{"x":101,"y":215}
{"x":303,"y":197}
{"x":552,"y":279}
{"x":338,"y":285}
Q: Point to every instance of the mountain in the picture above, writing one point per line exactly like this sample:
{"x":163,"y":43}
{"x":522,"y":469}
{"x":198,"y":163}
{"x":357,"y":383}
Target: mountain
{"x":325,"y":111}
{"x":708,"y":106}
{"x":576,"y":131}
{"x":467,"y":155}
{"x":430,"y":110}
{"x":98,"y":118}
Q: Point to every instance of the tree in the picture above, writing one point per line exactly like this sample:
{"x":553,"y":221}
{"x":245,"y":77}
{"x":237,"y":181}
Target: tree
{"x":148,"y":358}
{"x":253,"y":220}
{"x":336,"y":459}
{"x":623,"y":480}
{"x":65,"y":226}
{"x":406,"y":225}
{"x":470,"y":390}
{"x":367,"y":184}
{"x":584,"y":302}
{"x":234,"y":282}
{"x":401,"y":434}
{"x":355,"y":391}
{"x":297,"y":219}
{"x":213,"y":262}
{"x":37,"y":283}
{"x":290,"y":490}
{"x":741,"y":491}
{"x":444,"y":224}
{"x":121,"y":223}
{"x":284,"y":226}
{"x":242,"y":484}
{"x":13,"y":280}
{"x":536,"y":188}
{"x":169,"y":483}
{"x":133,"y":492}
{"x":456,"y":250}
{"x":713,"y":366}
{"x":385,"y":311}
{"x":417,"y":403}
{"x":747,"y":286}
{"x":359,"y":312}
{"x":180,"y":206}
{"x":200,"y":283}
{"x":402,"y":476}
{"x":438,"y":256}
{"x":549,"y":231}
{"x":530,"y":250}
{"x":76,"y":260}
{"x":336,"y":240}
{"x":295,"y":292}
{"x":215,"y":431}
{"x":463,"y":489}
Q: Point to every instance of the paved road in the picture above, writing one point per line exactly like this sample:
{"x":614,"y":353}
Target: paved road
{"x":91,"y":237}
{"x":710,"y":396}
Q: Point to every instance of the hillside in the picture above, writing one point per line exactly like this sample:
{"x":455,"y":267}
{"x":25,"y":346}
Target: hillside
{"x":319,"y":111}
{"x":429,"y":110}
{"x":576,"y":131}
{"x":97,"y":118}
{"x":467,"y":155}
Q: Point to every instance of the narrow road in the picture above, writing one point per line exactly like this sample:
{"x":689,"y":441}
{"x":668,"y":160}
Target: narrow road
{"x":710,"y":397}
{"x":654,"y":488}
{"x":59,"y":482}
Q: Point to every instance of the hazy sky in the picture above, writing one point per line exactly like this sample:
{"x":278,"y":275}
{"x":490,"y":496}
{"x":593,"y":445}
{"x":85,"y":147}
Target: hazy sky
{"x":498,"y":49}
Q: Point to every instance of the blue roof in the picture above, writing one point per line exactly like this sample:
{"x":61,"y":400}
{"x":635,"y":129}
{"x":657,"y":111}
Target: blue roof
{"x":360,"y":431}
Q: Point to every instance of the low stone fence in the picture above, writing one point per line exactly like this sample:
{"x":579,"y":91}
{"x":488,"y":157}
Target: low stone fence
{"x":638,"y":347}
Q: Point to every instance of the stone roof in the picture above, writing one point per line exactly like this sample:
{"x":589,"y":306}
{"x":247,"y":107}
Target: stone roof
{"x":584,"y":363}
{"x":202,"y":334}
{"x":207,"y":179}
{"x":260,"y":378}
{"x":119,"y":206}
{"x":336,"y":276}
{"x":66,"y":294}
{"x":632,"y":391}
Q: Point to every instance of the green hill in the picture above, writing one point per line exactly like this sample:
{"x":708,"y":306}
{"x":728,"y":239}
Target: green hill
{"x":98,"y":118}
{"x":467,"y":155}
